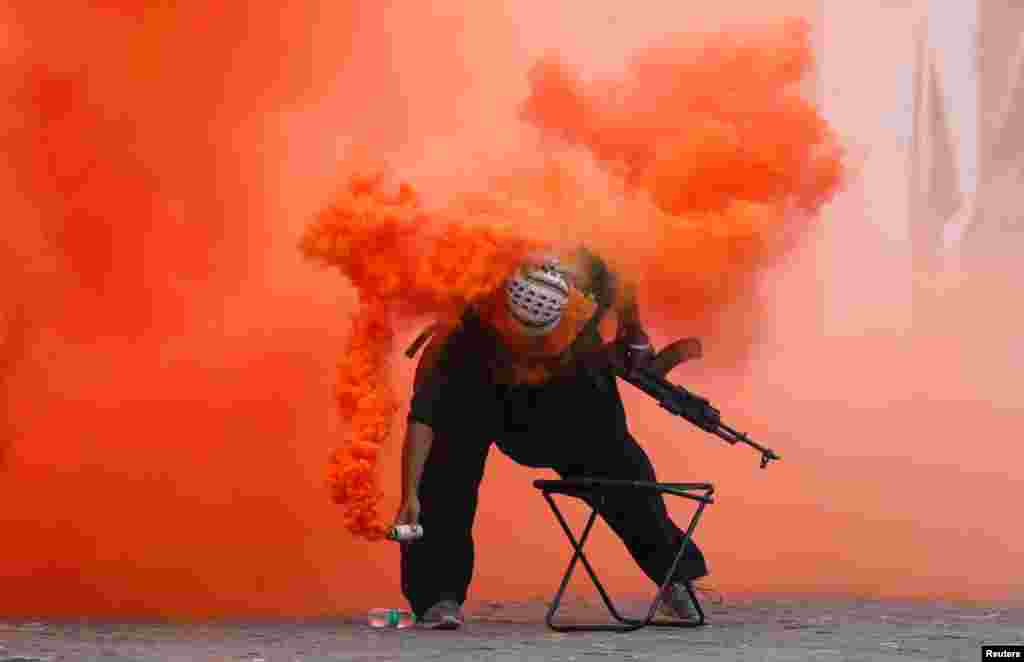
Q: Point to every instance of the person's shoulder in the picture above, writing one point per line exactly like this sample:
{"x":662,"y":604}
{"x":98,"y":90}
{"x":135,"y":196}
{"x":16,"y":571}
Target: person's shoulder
{"x":471,"y":324}
{"x":471,"y":337}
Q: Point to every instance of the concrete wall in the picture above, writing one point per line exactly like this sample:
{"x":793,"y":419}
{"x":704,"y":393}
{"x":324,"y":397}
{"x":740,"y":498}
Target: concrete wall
{"x":995,"y":238}
{"x":864,"y":257}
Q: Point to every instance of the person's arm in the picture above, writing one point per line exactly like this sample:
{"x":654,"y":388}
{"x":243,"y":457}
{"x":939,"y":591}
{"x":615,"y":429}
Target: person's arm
{"x":415,"y":450}
{"x":630,"y":329}
{"x":419,"y":433}
{"x":636,"y":348}
{"x":633,"y":343}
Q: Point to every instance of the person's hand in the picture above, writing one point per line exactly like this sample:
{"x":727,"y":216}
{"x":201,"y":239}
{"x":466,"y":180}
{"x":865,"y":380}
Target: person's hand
{"x":634,"y":353}
{"x":639,"y":356}
{"x":409,"y":511}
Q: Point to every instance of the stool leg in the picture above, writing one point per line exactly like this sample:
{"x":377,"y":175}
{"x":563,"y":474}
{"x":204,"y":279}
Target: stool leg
{"x":578,"y":555}
{"x":696,"y":603}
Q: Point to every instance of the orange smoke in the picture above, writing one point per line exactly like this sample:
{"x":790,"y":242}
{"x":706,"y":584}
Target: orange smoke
{"x":167,"y":360}
{"x":715,"y":128}
{"x":400,"y":260}
{"x":158,"y":376}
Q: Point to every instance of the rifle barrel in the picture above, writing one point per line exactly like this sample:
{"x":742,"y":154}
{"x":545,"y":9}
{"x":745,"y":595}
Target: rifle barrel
{"x":692,"y":407}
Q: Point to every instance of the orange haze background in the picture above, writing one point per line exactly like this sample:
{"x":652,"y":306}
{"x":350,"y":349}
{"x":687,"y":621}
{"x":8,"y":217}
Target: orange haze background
{"x":167,"y":358}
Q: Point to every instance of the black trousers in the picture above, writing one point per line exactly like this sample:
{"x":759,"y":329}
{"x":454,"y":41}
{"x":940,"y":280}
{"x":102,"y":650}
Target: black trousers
{"x":574,"y":425}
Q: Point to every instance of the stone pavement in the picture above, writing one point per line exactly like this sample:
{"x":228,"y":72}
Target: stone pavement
{"x":776,"y":630}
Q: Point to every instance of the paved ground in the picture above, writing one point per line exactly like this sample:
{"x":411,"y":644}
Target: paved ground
{"x":750,"y":630}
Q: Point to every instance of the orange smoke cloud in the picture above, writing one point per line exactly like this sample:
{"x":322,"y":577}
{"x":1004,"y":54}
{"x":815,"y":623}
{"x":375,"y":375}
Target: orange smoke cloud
{"x":716,"y":130}
{"x":153,"y":392}
{"x":166,"y":359}
{"x":400,"y":260}
{"x":129,"y":194}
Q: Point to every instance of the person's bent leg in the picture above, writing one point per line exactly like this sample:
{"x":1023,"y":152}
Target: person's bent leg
{"x":640,"y":518}
{"x":600,"y":446}
{"x":577,"y":426}
{"x":439,"y":566}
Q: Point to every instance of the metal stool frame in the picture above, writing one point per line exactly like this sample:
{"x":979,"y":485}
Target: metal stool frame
{"x":592,"y":491}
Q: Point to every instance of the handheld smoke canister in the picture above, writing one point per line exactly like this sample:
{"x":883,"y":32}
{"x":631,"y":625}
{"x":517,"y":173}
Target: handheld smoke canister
{"x":405,"y":532}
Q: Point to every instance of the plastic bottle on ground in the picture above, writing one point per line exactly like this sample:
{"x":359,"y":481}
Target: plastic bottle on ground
{"x":390,"y":618}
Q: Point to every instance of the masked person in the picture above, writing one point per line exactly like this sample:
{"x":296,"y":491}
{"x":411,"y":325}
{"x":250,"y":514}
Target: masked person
{"x":514,"y":372}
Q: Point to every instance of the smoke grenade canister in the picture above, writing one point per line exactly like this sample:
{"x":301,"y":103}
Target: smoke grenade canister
{"x":405,"y":532}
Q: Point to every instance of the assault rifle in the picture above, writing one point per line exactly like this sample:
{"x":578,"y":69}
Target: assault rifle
{"x":693,"y":408}
{"x":676,"y":399}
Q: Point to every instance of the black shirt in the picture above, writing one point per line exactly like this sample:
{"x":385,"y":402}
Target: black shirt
{"x":460,"y":395}
{"x":532,"y":423}
{"x":459,"y":388}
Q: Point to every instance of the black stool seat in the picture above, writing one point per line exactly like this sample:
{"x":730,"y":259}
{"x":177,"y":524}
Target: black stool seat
{"x":592,"y":484}
{"x":593,"y":491}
